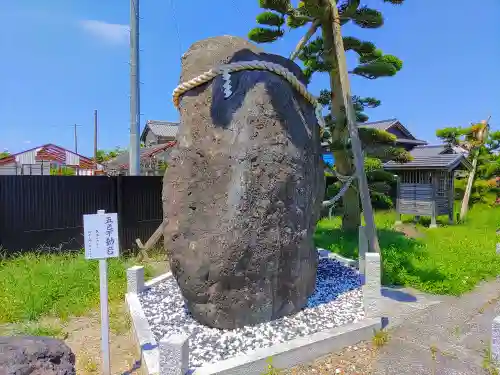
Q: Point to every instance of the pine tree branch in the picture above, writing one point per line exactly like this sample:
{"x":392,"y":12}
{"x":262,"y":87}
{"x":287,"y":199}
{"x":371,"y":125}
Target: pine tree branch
{"x":305,"y":39}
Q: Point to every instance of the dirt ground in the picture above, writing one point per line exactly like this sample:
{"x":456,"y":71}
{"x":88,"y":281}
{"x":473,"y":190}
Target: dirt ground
{"x":84,"y":339}
{"x":409,"y":230}
{"x":354,"y":360}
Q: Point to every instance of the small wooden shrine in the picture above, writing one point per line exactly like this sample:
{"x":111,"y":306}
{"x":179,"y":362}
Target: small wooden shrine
{"x":425,"y":184}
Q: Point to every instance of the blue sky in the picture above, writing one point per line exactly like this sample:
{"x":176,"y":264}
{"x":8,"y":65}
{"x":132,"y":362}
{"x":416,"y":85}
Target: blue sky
{"x":64,"y":58}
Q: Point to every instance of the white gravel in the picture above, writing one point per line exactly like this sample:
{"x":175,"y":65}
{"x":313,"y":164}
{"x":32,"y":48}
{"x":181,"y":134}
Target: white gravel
{"x":336,"y":301}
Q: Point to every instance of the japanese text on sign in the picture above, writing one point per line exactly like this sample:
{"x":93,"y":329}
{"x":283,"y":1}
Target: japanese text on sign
{"x":101,"y":235}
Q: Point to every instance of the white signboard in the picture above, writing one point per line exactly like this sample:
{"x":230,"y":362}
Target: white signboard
{"x":101,"y":235}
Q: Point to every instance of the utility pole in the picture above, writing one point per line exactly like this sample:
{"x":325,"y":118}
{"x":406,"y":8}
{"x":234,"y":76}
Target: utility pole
{"x":373,"y":245}
{"x":134,"y":164}
{"x":95,"y":137}
{"x":75,"y":136}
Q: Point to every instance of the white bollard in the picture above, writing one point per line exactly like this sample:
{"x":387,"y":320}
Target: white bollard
{"x":495,"y":341}
{"x":174,"y":355}
{"x":372,"y":288}
{"x":135,"y":279}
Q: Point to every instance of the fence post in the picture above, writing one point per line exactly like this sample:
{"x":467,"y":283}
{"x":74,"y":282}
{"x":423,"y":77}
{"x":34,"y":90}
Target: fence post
{"x":119,"y":208}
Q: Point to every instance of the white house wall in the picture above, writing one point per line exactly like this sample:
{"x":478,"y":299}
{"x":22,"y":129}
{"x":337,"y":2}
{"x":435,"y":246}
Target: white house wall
{"x":28,"y":157}
{"x":72,"y":159}
{"x":8,"y":169}
{"x":13,"y":169}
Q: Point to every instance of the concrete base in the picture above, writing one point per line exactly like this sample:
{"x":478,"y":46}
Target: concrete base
{"x":372,"y":285}
{"x":284,"y":355}
{"x":294,"y":352}
{"x":495,"y":340}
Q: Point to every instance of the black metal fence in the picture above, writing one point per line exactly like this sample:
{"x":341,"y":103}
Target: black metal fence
{"x":38,"y":212}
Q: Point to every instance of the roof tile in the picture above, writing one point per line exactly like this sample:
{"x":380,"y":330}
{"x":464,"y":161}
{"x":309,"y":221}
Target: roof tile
{"x":163,"y":128}
{"x":443,"y":161}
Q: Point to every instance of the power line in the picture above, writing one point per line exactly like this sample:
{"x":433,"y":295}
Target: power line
{"x":177,"y":27}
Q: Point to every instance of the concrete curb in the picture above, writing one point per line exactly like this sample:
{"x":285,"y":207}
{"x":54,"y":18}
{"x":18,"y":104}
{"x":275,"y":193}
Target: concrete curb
{"x":157,"y":280}
{"x":294,"y":352}
{"x":323,"y":253}
{"x":284,"y":355}
{"x":145,"y":339}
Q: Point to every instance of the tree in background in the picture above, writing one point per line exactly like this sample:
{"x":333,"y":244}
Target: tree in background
{"x":379,"y":147}
{"x":483,"y":147}
{"x":318,"y":55}
{"x":62,"y":171}
{"x":104,"y":156}
{"x":4,"y":154}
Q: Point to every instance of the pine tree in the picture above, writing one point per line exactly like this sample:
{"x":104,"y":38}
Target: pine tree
{"x":475,"y":139}
{"x":318,"y":55}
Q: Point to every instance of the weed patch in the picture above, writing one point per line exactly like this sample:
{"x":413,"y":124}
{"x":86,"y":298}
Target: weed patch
{"x":60,"y":285}
{"x":380,"y":338}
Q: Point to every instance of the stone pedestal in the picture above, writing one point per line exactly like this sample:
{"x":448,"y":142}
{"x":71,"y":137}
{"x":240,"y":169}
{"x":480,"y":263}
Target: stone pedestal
{"x":135,"y":279}
{"x":174,"y":355}
{"x":372,"y":296}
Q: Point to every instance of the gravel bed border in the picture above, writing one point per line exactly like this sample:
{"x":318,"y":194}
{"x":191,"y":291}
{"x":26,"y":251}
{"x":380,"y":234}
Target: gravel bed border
{"x":303,"y":347}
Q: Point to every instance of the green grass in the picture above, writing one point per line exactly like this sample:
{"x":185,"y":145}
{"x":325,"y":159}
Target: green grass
{"x":38,"y":329}
{"x":450,"y":259}
{"x":36,"y":285}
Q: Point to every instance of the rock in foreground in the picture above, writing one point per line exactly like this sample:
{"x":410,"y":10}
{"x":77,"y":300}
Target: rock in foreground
{"x":20,"y":355}
{"x":243,"y":191}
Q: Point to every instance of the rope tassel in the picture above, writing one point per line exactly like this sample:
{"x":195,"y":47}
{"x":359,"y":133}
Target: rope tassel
{"x":226,"y":76}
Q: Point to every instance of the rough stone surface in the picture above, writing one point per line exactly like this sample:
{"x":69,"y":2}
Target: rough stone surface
{"x":495,"y":339}
{"x":21,"y":355}
{"x":135,"y":279}
{"x":372,"y":285}
{"x":174,"y":355}
{"x":243,"y":191}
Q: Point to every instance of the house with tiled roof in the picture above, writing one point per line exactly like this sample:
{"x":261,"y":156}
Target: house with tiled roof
{"x":152,"y":160}
{"x":404,"y":138}
{"x":158,"y":132}
{"x":46,"y":158}
{"x":434,"y":157}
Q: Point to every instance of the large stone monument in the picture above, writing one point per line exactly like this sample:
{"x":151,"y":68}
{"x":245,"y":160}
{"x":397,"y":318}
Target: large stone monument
{"x":243,"y":190}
